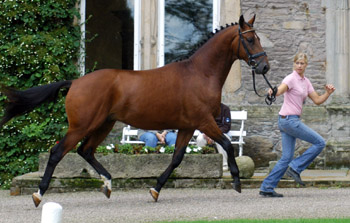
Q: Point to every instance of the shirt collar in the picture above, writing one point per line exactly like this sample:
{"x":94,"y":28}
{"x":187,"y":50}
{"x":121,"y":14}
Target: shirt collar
{"x":298,"y":76}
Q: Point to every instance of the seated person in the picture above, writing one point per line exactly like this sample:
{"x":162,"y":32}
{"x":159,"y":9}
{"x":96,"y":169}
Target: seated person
{"x":151,"y":138}
{"x":224,"y":123}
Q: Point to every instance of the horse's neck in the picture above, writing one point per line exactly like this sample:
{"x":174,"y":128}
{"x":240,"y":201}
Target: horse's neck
{"x":215,"y":58}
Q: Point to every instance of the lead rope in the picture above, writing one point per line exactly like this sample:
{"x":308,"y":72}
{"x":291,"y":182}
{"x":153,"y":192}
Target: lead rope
{"x":269,"y":98}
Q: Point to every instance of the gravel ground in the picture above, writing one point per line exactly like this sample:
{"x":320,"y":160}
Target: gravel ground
{"x":180,"y":204}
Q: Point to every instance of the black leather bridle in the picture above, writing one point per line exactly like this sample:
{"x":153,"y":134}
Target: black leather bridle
{"x":253,"y":64}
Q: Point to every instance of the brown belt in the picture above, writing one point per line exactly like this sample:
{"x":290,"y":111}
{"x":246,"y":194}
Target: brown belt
{"x":285,"y":116}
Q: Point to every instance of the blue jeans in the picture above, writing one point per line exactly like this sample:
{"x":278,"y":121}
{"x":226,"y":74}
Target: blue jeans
{"x":292,"y":128}
{"x":151,"y":139}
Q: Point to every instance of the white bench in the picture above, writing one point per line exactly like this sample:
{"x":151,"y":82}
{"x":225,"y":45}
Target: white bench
{"x":129,"y":135}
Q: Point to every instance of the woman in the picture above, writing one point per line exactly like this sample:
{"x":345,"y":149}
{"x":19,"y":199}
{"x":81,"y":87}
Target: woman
{"x":296,"y":88}
{"x":151,"y":138}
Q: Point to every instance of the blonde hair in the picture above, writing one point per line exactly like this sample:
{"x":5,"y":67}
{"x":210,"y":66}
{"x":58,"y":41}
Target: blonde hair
{"x":301,"y":56}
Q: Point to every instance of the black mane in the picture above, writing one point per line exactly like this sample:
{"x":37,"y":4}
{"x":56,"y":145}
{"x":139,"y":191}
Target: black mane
{"x":200,"y":44}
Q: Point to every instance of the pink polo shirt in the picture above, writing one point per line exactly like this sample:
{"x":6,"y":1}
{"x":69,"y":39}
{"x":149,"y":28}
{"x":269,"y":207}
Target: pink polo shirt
{"x":298,"y":90}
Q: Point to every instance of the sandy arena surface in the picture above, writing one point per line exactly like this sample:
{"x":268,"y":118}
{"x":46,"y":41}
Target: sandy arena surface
{"x":180,"y":204}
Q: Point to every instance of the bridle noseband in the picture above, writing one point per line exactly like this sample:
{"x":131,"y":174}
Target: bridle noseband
{"x":253,"y":64}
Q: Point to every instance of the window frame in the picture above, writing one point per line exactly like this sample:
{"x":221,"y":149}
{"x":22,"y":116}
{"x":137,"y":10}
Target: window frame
{"x":161,"y":24}
{"x":137,"y":32}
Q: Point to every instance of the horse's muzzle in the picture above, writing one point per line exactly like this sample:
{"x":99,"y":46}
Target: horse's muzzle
{"x":262,"y":68}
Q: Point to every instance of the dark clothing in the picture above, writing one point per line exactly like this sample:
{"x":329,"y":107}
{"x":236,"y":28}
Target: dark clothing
{"x":224,"y":119}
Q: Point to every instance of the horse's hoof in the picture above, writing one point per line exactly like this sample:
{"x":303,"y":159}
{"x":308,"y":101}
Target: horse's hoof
{"x":237,"y":187}
{"x":36,"y":199}
{"x":154,"y":194}
{"x":106,"y":191}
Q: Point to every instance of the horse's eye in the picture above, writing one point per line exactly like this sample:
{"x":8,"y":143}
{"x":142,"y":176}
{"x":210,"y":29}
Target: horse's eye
{"x":250,"y":40}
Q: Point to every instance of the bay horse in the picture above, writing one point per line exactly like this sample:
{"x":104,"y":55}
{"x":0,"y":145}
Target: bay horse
{"x":182,"y":95}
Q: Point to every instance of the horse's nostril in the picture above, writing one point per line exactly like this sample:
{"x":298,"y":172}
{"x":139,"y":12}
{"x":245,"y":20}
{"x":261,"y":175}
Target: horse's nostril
{"x":266,"y":68}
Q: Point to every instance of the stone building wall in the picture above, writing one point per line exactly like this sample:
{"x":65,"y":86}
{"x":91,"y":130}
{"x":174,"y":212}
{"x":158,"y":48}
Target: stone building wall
{"x":285,"y":28}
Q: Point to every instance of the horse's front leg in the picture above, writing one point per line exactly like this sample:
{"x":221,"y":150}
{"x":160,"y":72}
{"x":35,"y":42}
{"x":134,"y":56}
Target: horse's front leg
{"x":183,"y":137}
{"x":213,"y":131}
{"x":227,"y":146}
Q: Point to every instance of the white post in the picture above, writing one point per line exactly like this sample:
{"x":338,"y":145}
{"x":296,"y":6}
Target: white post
{"x":51,"y":213}
{"x":216,"y":14}
{"x":338,"y":44}
{"x":82,"y":39}
{"x":137,"y":35}
{"x":160,"y":42}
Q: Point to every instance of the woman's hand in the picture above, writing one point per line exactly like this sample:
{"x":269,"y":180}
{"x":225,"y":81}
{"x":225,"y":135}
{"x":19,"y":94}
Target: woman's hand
{"x":270,"y":91}
{"x":209,"y":140}
{"x":161,"y":137}
{"x":329,"y":88}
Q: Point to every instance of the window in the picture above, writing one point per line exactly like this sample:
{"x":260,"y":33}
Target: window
{"x":187,"y":23}
{"x":109,"y":33}
{"x":112,"y":29}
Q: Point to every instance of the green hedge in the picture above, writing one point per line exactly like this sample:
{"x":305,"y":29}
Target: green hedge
{"x":38,"y":45}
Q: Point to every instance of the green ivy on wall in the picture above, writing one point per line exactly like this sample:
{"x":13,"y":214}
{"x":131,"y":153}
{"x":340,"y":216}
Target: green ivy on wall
{"x":38,"y":45}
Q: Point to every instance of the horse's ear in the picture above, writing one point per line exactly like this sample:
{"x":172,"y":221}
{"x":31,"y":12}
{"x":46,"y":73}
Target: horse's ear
{"x":251,"y":21}
{"x":241,"y":21}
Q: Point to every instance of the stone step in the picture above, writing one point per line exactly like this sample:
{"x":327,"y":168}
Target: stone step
{"x":28,"y":183}
{"x":196,"y":171}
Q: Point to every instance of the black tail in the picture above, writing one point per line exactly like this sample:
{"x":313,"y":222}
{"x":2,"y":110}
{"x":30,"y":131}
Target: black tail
{"x":21,"y":102}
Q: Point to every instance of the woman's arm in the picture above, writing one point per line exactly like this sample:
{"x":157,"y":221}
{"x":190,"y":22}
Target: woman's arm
{"x":280,"y":90}
{"x":319,"y":99}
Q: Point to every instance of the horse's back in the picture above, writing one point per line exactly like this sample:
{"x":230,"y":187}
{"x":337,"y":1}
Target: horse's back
{"x":116,"y":92}
{"x":150,"y":99}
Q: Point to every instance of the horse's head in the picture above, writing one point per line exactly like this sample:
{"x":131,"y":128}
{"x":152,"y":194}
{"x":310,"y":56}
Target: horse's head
{"x":251,"y":50}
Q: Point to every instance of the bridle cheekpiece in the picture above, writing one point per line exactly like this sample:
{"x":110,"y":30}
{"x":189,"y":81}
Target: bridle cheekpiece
{"x":253,"y":64}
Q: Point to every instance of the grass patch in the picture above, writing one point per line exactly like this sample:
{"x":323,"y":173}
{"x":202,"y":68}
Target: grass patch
{"x":319,"y":220}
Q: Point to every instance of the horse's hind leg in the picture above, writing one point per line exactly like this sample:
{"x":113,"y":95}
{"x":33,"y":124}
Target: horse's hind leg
{"x":87,"y":150}
{"x":56,"y":154}
{"x":183,"y":137}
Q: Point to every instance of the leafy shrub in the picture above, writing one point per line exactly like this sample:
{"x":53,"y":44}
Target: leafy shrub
{"x":131,"y":149}
{"x":38,"y":45}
